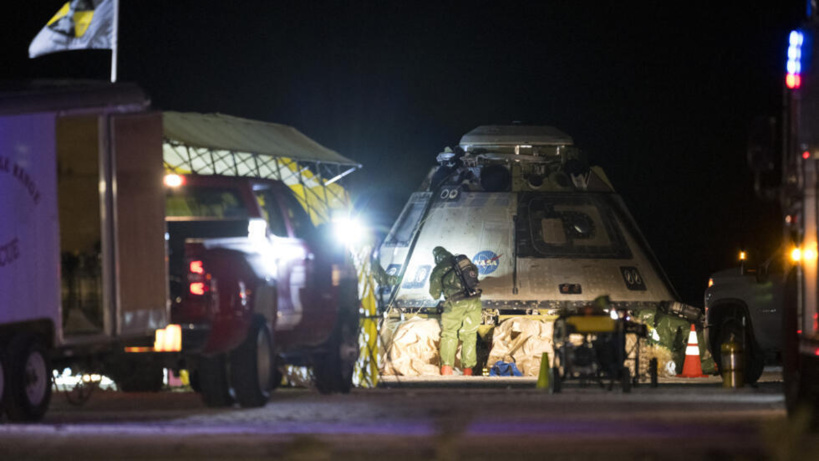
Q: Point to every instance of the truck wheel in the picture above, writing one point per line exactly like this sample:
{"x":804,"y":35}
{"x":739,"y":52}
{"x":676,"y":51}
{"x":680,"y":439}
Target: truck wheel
{"x":251,"y":365}
{"x":334,"y":368}
{"x":754,"y":360}
{"x":213,"y":380}
{"x":28,"y":380}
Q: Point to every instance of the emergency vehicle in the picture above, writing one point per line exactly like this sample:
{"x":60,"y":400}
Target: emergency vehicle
{"x":800,"y":184}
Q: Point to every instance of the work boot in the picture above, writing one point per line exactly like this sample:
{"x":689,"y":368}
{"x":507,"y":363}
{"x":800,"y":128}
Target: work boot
{"x":467,"y":372}
{"x":446,"y":370}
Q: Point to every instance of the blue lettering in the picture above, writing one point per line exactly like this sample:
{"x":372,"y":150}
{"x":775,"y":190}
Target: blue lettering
{"x":9,"y":253}
{"x":26,"y":180}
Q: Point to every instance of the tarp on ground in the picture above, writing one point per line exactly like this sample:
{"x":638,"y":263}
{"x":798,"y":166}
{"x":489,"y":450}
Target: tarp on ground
{"x":412,"y":349}
{"x":411,"y":346}
{"x":522,"y":341}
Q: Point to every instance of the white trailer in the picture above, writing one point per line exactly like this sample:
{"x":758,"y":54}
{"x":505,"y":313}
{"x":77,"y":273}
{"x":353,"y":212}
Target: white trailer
{"x":82,"y":238}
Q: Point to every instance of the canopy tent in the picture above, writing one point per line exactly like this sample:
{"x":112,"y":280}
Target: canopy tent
{"x":232,"y":146}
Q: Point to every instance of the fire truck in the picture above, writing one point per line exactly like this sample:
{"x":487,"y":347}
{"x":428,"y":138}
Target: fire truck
{"x":798,"y":193}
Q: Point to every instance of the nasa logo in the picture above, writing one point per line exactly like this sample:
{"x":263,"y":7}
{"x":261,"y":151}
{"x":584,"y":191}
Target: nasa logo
{"x":487,"y":262}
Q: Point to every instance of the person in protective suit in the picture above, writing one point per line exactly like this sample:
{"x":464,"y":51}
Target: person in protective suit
{"x":381,"y":277}
{"x":461,"y":315}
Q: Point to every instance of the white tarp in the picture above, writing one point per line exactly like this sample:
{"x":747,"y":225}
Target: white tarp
{"x":223,"y":132}
{"x":412,"y":350}
{"x":522,"y":341}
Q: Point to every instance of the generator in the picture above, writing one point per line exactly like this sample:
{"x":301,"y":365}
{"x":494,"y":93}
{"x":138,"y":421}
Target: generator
{"x":590,"y":347}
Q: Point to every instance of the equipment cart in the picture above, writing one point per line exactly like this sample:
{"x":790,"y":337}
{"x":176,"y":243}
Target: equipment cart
{"x":590,"y":346}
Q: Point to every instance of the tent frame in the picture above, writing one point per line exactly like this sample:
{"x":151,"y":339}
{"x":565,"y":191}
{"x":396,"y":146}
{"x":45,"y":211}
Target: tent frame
{"x":202,"y":160}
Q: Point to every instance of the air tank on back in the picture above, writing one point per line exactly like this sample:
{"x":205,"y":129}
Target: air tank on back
{"x":546,"y":230}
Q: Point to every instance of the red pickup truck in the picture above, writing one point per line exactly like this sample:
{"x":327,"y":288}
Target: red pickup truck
{"x":254,"y":285}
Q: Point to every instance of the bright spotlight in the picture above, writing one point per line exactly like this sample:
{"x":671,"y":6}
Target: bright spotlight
{"x":174,"y":180}
{"x":348,"y":231}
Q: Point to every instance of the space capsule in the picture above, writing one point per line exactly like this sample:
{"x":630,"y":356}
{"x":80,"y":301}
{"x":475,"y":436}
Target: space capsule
{"x":547,"y":231}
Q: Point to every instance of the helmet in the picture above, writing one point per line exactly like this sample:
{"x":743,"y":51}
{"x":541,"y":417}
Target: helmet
{"x":441,"y":254}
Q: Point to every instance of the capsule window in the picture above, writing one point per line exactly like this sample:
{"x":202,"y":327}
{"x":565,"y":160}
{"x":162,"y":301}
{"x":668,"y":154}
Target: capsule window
{"x":570,"y":226}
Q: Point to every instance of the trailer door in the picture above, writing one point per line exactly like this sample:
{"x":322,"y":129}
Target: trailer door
{"x":139,"y":223}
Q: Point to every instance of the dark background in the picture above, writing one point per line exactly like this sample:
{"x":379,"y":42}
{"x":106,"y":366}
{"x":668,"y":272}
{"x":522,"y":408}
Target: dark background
{"x":661,"y":94}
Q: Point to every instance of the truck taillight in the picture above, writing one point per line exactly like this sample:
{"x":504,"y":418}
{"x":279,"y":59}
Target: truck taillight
{"x":198,"y":279}
{"x":198,"y":288}
{"x":196,"y":267}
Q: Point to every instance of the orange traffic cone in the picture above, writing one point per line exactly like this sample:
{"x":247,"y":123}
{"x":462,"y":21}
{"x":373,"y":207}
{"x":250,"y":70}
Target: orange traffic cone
{"x":692,"y":368}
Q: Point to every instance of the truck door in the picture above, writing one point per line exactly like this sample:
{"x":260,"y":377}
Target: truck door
{"x":768,"y":295}
{"x":287,"y":221}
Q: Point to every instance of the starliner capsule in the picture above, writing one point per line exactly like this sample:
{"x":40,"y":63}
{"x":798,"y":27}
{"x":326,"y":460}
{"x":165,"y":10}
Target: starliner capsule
{"x":547,"y":231}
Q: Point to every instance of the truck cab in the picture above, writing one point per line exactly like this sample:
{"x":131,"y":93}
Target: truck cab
{"x":250,"y":272}
{"x":745,"y":304}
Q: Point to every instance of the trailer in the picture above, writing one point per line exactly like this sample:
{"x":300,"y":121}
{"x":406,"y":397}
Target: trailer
{"x":83,"y":271}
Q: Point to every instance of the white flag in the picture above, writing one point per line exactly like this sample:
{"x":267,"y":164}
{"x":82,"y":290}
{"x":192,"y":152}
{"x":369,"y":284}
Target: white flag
{"x":79,"y":25}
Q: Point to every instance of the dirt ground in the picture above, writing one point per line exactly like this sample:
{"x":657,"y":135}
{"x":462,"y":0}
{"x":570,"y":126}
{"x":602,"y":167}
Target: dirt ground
{"x":446,"y":421}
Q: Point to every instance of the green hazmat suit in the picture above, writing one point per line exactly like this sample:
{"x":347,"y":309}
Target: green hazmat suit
{"x":459,"y":319}
{"x":672,"y":333}
{"x":382,"y":278}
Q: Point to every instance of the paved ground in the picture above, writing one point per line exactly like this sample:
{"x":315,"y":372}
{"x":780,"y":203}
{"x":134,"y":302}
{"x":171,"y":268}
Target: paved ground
{"x":679,"y":420}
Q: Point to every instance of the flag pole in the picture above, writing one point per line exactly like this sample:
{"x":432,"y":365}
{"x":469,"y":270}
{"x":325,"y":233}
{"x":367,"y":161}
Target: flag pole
{"x":114,"y":40}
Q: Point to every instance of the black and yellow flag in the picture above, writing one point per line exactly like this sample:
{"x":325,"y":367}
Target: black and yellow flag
{"x":80,"y":24}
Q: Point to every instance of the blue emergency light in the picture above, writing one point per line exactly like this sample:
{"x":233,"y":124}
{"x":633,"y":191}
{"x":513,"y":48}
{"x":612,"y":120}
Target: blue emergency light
{"x":794,"y":65}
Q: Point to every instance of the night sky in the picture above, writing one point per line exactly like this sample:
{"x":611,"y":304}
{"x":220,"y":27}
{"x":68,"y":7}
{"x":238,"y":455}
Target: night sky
{"x":661,"y":94}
